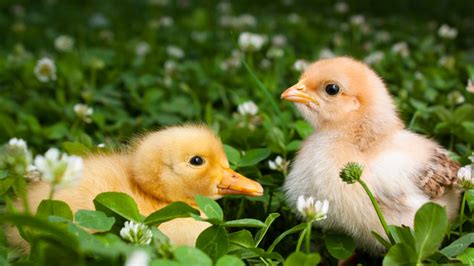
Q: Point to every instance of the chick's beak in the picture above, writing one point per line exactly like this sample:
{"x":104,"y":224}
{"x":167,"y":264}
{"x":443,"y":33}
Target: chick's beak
{"x":235,"y":183}
{"x":297,"y":93}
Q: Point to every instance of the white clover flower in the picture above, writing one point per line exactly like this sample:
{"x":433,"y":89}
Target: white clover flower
{"x":167,"y":81}
{"x":248,"y":108}
{"x":170,"y":66}
{"x":59,"y":169}
{"x":265,"y":63}
{"x":18,"y":144}
{"x":16,"y":157}
{"x":175,"y":51}
{"x":401,"y":48}
{"x":138,"y":258}
{"x":419,"y":75}
{"x":465,"y":178}
{"x":45,"y":70}
{"x":279,"y":164}
{"x":84,"y":112}
{"x":32,"y":175}
{"x":456,"y":97}
{"x":470,"y":86}
{"x":275,"y":52}
{"x":447,"y":32}
{"x":233,"y":62}
{"x":98,"y":20}
{"x":239,"y":22}
{"x":97,"y":63}
{"x":357,"y":20}
{"x":137,"y":233}
{"x":374,"y":58}
{"x":226,"y":20}
{"x":383,"y":36}
{"x":64,"y":43}
{"x":311,"y":209}
{"x":300,"y":65}
{"x":142,"y":48}
{"x":341,"y":7}
{"x":245,"y":20}
{"x":294,"y":18}
{"x":166,"y":21}
{"x":447,"y":61}
{"x":224,"y":7}
{"x":326,"y":53}
{"x":101,"y":145}
{"x":279,"y":40}
{"x":200,"y":37}
{"x":250,"y":42}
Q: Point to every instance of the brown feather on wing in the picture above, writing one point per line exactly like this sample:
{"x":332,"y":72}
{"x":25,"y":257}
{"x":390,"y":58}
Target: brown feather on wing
{"x":439,"y":174}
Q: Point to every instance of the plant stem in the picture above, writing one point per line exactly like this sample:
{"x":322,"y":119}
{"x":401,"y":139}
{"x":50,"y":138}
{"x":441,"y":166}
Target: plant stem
{"x":308,"y":236}
{"x":413,"y":119}
{"x":262,"y":88}
{"x":300,"y":240}
{"x":241,"y":209}
{"x":269,"y":202}
{"x":284,"y":234}
{"x":377,"y":210}
{"x":20,"y":183}
{"x":51,"y":192}
{"x":461,"y":213}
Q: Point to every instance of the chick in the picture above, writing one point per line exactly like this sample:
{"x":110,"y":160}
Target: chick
{"x":355,"y":119}
{"x":173,"y":164}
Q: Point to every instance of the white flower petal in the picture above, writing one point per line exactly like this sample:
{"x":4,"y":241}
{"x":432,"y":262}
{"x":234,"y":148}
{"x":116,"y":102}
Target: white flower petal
{"x":52,"y":154}
{"x":325,"y":207}
{"x":272,"y":165}
{"x":138,"y":258}
{"x":278,"y":160}
{"x":317,"y":206}
{"x":300,"y":203}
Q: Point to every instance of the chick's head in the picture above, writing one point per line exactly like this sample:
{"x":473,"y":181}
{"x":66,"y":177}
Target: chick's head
{"x":177,"y":163}
{"x":340,"y":91}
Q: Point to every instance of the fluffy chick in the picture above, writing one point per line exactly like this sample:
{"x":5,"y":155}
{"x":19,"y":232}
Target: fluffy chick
{"x":355,"y":119}
{"x":173,"y":164}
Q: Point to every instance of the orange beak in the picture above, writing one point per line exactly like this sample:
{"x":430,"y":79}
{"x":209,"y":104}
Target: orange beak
{"x":297,"y":93}
{"x":235,"y":183}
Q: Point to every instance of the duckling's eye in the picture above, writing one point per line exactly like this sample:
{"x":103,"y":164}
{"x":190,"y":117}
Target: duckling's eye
{"x":196,"y":160}
{"x":332,"y":89}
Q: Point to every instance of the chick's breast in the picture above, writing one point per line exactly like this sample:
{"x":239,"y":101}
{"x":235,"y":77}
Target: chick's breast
{"x":315,"y":172}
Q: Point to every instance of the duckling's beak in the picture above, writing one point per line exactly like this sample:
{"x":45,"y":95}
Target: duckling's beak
{"x":298,"y":93}
{"x":235,"y":183}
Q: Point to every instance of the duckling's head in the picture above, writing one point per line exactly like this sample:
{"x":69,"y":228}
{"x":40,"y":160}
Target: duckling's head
{"x":176,"y":163}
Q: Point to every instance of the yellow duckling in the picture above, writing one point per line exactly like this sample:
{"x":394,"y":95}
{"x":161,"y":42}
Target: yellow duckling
{"x":173,"y":164}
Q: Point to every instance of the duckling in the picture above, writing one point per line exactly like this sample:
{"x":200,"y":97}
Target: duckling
{"x":173,"y":164}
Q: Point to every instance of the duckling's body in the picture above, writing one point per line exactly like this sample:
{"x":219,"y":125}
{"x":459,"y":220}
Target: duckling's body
{"x":103,"y":173}
{"x":173,"y":164}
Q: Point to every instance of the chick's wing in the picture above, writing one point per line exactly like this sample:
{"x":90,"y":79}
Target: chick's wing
{"x":438,"y":175}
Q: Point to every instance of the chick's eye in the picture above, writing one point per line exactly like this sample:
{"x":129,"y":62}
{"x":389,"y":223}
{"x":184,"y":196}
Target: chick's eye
{"x":196,"y":160}
{"x":332,"y":89}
